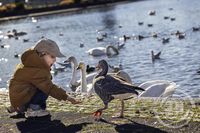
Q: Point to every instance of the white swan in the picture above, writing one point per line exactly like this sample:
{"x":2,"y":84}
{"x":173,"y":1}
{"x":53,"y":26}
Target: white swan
{"x":73,"y":82}
{"x":158,"y":88}
{"x":99,"y":51}
{"x":84,"y":87}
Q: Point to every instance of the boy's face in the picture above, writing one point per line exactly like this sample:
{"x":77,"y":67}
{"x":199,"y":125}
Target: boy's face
{"x":49,"y":59}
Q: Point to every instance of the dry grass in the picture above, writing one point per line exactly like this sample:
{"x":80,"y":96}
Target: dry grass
{"x":141,"y":115}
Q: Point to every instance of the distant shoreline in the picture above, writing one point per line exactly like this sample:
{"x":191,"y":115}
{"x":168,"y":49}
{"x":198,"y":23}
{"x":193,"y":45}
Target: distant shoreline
{"x":53,"y":10}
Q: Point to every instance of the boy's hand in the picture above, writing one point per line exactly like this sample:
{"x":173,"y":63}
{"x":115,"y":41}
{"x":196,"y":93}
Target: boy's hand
{"x":72,"y":100}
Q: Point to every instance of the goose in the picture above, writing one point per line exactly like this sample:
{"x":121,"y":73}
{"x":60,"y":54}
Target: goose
{"x":158,"y":88}
{"x":99,"y":51}
{"x":108,"y":87}
{"x":155,"y":56}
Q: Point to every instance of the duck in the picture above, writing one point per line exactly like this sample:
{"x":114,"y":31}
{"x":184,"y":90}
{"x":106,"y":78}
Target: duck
{"x":16,"y":55}
{"x":165,"y":40}
{"x":67,"y":65}
{"x":195,"y":29}
{"x":140,"y":23}
{"x":25,"y":40}
{"x":16,"y":33}
{"x":154,"y":35}
{"x":108,"y":88}
{"x":81,"y":45}
{"x":55,"y":70}
{"x":99,"y":51}
{"x":151,"y":13}
{"x":100,"y":38}
{"x":150,"y":25}
{"x":140,"y":37}
{"x":89,"y":69}
{"x":166,"y":17}
{"x":155,"y":56}
{"x":172,"y":19}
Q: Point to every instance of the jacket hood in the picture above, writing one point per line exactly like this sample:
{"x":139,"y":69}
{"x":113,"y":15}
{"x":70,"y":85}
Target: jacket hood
{"x":30,"y":58}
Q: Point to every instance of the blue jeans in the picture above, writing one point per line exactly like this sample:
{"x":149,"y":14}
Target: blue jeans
{"x":39,"y":98}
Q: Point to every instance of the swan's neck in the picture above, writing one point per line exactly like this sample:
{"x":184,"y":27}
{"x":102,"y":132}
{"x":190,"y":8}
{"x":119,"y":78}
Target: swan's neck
{"x":74,"y":73}
{"x":83,"y":80}
{"x":109,"y":48}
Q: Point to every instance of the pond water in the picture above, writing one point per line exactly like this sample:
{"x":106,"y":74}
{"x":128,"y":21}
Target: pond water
{"x":179,"y":59}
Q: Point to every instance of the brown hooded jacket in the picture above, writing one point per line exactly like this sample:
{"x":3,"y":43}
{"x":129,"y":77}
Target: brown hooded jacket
{"x":33,"y":73}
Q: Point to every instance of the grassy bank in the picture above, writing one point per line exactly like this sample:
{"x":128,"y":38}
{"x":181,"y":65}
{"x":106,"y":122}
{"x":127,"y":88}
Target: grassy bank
{"x":141,"y":115}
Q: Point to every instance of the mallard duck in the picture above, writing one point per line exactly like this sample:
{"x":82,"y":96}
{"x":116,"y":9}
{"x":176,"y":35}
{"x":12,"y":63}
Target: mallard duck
{"x":108,"y":87}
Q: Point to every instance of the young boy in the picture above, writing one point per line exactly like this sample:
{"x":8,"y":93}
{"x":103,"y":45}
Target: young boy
{"x":31,"y":83}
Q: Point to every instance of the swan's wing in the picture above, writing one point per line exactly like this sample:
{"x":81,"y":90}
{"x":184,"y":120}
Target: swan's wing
{"x":170,"y":89}
{"x":89,"y":78}
{"x":96,"y":51}
{"x":124,"y":76}
{"x":90,"y":89}
{"x":146,"y":84}
{"x":155,"y":90}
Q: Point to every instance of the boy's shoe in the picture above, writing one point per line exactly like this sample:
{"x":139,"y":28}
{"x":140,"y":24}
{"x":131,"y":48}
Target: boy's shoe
{"x":18,"y":115}
{"x":10,"y":109}
{"x":36,"y":113}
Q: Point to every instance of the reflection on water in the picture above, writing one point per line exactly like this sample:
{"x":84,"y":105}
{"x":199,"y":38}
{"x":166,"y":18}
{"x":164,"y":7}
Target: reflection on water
{"x":179,"y":59}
